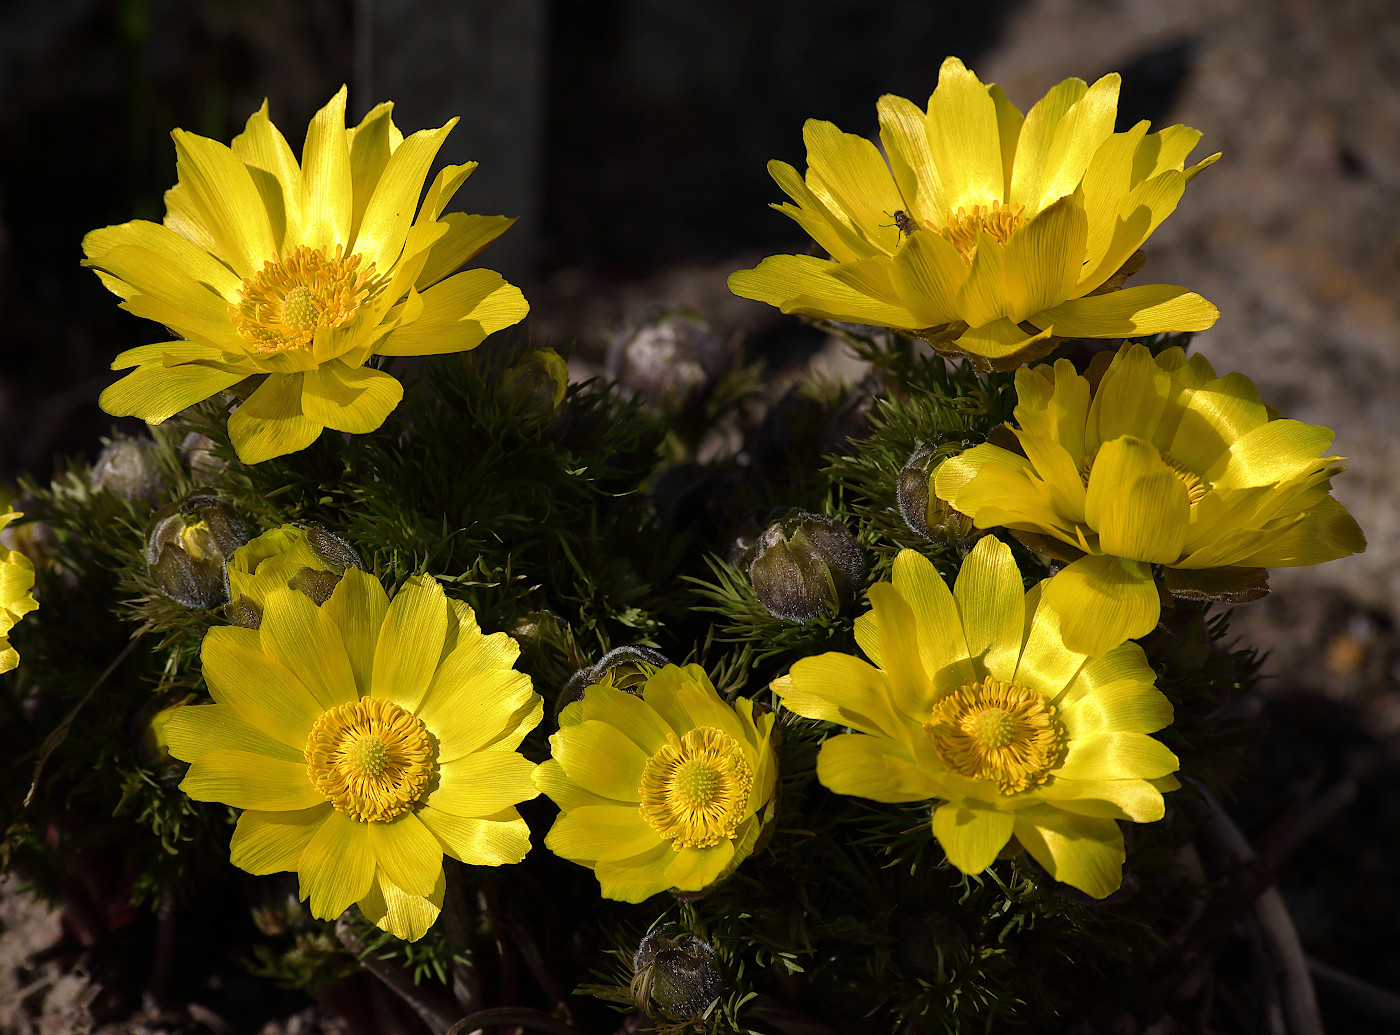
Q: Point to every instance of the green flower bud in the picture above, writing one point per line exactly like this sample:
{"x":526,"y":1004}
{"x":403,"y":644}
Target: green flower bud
{"x":626,"y":668}
{"x":536,"y":382}
{"x":923,"y":511}
{"x":667,"y":359}
{"x":678,"y":975}
{"x":127,"y":467}
{"x":310,"y":560}
{"x":187,"y":544}
{"x":807,"y":565}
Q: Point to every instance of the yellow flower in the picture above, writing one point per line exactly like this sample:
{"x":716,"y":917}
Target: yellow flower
{"x":669,"y":789}
{"x":16,"y":600}
{"x":1164,"y":464}
{"x":364,"y":739}
{"x":987,"y":234}
{"x":296,"y":274}
{"x":969,"y":702}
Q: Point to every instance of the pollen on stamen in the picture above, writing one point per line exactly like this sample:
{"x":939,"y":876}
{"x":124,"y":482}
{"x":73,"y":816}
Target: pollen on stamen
{"x":996,"y":220}
{"x":283,"y":305}
{"x":695,"y":789}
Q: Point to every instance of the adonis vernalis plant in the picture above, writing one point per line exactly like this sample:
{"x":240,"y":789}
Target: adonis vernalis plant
{"x":290,"y":276}
{"x":983,"y":232}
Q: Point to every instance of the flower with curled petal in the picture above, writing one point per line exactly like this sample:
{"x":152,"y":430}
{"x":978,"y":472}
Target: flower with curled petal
{"x":988,"y":234}
{"x":16,"y":598}
{"x":364,"y":739}
{"x":290,"y":276}
{"x":668,"y":788}
{"x":972,"y":701}
{"x":1163,"y":463}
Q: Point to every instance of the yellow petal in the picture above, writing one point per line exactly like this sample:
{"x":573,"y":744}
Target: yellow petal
{"x":466,"y":236}
{"x":476,"y":700}
{"x":971,"y":836}
{"x":264,"y":692}
{"x":910,"y":685}
{"x":1043,"y":259}
{"x":693,"y":869}
{"x":458,"y":314}
{"x":1010,"y":121}
{"x":635,"y":879}
{"x":942,"y":644}
{"x":1046,"y":664}
{"x":353,"y":399}
{"x":992,"y":486}
{"x":903,"y":131}
{"x":872,"y":767}
{"x":1124,"y":706}
{"x":983,"y":298}
{"x":1135,"y":800}
{"x":270,"y":842}
{"x":250,"y":781}
{"x":820,"y":217}
{"x":270,"y":423}
{"x":1003,"y":345}
{"x":482,"y":784}
{"x":197,"y":729}
{"x":326,"y":179}
{"x":550,"y":778}
{"x":384,"y":226}
{"x":1102,"y":601}
{"x":991,"y":604}
{"x":499,"y":840}
{"x":592,"y":833}
{"x":407,"y":852}
{"x":1124,"y":662}
{"x":1032,"y":172}
{"x":929,"y":273}
{"x":1077,"y":136}
{"x":1131,"y":312}
{"x":371,"y":144}
{"x":601,"y":759}
{"x":155,"y":393}
{"x":1057,"y":469}
{"x":1131,"y":399}
{"x":337,"y":866}
{"x":964,"y":138}
{"x":189,"y":306}
{"x":1326,"y":533}
{"x":276,"y":174}
{"x":357,"y":606}
{"x":1082,"y":851}
{"x":851,"y":169}
{"x":841,"y":689}
{"x":160,"y":240}
{"x":410,"y":642}
{"x":295,"y":632}
{"x":221,"y":197}
{"x":1116,"y":756}
{"x":405,"y":916}
{"x":629,"y":713}
{"x":1214,"y":416}
{"x":1114,"y":235}
{"x":1108,"y":180}
{"x":802,"y":284}
{"x":1278,"y":451}
{"x":1137,"y":503}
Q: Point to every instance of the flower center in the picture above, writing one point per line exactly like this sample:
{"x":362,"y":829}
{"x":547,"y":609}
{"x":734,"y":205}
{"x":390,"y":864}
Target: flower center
{"x":1196,"y":486}
{"x":997,"y":221}
{"x":371,"y":759}
{"x":997,"y":730}
{"x":695,"y":788}
{"x":282,"y":306}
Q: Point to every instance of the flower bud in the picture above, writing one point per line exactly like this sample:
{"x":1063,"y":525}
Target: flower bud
{"x":626,"y":668}
{"x":535,"y":383}
{"x":310,"y":560}
{"x":195,"y":451}
{"x":679,"y":975}
{"x":187,"y":544}
{"x":807,"y":565}
{"x":924,"y":512}
{"x":667,"y":359}
{"x":127,"y":467}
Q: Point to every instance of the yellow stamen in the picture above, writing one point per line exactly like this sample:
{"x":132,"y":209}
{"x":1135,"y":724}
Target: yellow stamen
{"x":694,"y":789}
{"x":371,"y":759}
{"x":997,"y":221}
{"x":1196,"y":487}
{"x":997,"y":730}
{"x":282,"y":306}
